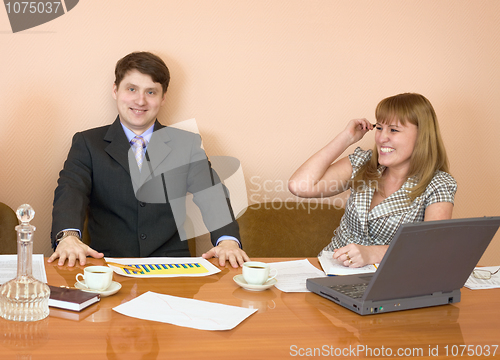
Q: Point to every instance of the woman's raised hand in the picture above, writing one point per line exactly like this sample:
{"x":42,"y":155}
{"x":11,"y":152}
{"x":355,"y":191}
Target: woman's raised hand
{"x":357,"y":128}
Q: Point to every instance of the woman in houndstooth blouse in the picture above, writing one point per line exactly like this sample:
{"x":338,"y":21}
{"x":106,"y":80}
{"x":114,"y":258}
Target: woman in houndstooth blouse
{"x":403,"y":179}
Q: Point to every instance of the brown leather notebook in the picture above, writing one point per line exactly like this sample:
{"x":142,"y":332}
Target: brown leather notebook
{"x":71,"y":299}
{"x":73,"y":315}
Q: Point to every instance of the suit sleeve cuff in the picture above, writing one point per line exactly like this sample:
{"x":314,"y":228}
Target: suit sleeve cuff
{"x":225,"y":237}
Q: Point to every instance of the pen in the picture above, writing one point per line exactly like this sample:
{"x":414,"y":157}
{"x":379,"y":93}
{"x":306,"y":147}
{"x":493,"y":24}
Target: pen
{"x":69,"y":287}
{"x":130,"y":268}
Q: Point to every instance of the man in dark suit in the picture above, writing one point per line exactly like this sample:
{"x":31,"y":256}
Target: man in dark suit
{"x":135,"y":209}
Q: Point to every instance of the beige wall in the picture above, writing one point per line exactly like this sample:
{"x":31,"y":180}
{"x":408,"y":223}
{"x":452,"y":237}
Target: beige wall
{"x":269,"y":82}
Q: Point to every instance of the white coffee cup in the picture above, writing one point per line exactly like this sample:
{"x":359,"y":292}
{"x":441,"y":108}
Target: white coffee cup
{"x":96,"y":277}
{"x":257,"y":273}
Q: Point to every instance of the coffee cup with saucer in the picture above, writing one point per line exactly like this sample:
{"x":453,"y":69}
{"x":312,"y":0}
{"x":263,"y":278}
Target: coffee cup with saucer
{"x":256,"y":277}
{"x":97,"y":279}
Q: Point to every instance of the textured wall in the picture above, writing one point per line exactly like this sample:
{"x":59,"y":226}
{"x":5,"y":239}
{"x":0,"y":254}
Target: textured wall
{"x":269,"y":82}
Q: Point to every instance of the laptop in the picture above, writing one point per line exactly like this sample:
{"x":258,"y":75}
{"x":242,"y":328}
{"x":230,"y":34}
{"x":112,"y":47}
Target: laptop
{"x":426,"y":264}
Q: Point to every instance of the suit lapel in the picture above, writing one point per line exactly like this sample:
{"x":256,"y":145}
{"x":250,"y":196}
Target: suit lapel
{"x":158,"y":150}
{"x":118,"y":144}
{"x":120,"y":150}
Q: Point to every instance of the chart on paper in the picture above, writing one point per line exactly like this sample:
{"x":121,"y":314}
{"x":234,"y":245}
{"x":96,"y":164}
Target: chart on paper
{"x":167,"y":269}
{"x":162,"y":266}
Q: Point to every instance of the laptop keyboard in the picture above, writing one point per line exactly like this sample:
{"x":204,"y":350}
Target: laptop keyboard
{"x":354,"y":291}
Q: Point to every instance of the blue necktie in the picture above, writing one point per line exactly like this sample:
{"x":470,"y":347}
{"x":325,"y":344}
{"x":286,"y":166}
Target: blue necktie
{"x":138,"y":144}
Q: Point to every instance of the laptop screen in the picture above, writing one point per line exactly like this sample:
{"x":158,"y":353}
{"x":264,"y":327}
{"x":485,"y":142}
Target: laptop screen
{"x":431,"y":256}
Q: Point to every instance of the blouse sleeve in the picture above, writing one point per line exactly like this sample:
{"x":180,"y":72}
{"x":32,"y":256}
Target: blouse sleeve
{"x":442,"y":188}
{"x":358,"y":159}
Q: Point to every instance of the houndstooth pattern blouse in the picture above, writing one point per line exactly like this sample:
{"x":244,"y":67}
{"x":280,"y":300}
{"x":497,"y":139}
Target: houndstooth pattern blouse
{"x":363,"y":226}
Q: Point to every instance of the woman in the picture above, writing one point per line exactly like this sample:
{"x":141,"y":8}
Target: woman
{"x":403,"y":179}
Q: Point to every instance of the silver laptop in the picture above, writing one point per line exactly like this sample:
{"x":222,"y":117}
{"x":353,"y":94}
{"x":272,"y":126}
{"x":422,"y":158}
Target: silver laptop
{"x":426,"y":265}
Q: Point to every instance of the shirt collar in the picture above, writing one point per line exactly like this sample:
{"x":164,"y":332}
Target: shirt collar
{"x":146,"y":135}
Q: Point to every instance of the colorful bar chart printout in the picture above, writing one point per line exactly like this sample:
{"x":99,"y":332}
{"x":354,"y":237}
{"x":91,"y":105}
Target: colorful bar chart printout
{"x":163,"y":267}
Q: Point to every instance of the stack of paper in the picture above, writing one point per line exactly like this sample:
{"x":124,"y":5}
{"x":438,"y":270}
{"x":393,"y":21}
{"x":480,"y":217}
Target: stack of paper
{"x":292,"y":275}
{"x":475,"y":284}
{"x":8,"y":268}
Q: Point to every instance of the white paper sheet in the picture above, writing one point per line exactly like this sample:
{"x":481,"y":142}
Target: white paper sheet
{"x":8,"y":268}
{"x":332,"y":266}
{"x":184,"y":312}
{"x":165,"y":266}
{"x":493,"y":283}
{"x":292,"y":275}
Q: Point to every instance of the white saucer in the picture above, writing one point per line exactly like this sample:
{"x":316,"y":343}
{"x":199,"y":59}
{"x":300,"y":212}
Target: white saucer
{"x":238,"y":279}
{"x":111,"y":290}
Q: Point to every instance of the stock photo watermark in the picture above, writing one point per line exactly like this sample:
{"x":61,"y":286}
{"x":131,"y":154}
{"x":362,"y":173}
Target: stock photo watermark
{"x":382,"y":351}
{"x":25,"y":15}
{"x":192,"y":189}
{"x":274,"y":194}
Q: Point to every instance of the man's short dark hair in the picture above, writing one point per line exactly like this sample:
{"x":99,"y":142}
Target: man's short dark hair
{"x":146,"y":63}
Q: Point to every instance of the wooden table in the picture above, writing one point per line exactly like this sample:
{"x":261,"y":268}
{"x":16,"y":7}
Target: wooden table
{"x":287,"y":325}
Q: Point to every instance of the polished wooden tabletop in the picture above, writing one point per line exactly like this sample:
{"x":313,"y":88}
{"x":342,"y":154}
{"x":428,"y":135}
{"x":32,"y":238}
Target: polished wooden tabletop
{"x":286,"y":325}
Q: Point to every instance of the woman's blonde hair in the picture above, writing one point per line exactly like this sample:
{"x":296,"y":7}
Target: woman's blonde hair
{"x":429,"y":154}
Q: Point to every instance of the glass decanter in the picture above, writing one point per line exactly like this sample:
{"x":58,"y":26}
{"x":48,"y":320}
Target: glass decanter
{"x":24,"y":298}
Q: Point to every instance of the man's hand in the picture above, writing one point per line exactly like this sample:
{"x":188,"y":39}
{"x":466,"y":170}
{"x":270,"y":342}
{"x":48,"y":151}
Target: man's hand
{"x":71,"y":248}
{"x":228,"y":250}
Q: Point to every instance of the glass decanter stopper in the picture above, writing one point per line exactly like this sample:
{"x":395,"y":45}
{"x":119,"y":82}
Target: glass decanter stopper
{"x":24,"y":298}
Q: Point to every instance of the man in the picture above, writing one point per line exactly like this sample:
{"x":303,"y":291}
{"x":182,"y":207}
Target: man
{"x":97,"y":180}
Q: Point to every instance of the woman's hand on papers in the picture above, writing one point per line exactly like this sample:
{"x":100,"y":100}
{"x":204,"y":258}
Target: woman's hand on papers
{"x":228,"y":250}
{"x":354,"y":255}
{"x":71,"y":249}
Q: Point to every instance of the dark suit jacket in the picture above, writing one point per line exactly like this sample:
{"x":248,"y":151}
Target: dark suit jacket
{"x":96,"y":182}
